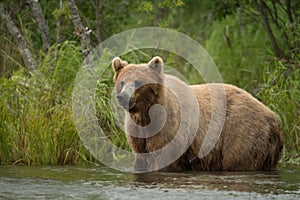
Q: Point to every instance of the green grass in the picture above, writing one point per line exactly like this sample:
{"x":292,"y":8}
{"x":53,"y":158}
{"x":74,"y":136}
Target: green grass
{"x":36,"y":119}
{"x":106,"y":116}
{"x":281,"y":92}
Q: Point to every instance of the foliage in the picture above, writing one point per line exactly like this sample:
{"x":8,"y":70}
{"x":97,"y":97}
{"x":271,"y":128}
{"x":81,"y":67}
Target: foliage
{"x":223,"y":8}
{"x":36,"y":122}
{"x":36,"y":117}
{"x":106,"y":115}
{"x":236,"y":51}
{"x":281,"y":91}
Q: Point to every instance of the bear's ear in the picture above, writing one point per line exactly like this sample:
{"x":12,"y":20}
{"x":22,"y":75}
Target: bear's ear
{"x":118,"y":65}
{"x":156,"y":64}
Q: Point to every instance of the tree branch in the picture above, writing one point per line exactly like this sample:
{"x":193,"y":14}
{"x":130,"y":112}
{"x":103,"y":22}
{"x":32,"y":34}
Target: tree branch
{"x":289,"y":12}
{"x":275,"y":17}
{"x":29,"y":60}
{"x":277,"y":20}
{"x":80,"y":30}
{"x":262,"y":10}
{"x":38,"y":14}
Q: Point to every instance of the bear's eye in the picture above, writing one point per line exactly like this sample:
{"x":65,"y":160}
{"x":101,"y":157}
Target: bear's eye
{"x":120,"y":85}
{"x":137,"y":83}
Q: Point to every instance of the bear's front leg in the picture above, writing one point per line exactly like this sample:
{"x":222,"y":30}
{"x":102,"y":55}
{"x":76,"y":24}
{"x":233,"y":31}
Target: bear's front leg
{"x":140,"y":163}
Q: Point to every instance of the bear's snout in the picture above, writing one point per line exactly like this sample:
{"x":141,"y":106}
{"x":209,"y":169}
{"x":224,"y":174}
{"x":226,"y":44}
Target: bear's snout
{"x":125,"y":101}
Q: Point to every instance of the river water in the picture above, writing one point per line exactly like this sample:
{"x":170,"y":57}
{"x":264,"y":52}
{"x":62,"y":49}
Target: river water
{"x":100,"y":182}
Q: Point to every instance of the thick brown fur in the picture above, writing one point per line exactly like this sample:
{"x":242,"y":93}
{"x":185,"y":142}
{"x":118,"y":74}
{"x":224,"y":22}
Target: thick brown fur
{"x":251,"y":138}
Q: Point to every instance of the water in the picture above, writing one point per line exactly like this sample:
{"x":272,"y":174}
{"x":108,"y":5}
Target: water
{"x":100,"y":182}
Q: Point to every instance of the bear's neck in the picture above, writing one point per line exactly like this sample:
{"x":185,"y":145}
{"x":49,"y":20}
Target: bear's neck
{"x":140,"y":114}
{"x":140,"y":118}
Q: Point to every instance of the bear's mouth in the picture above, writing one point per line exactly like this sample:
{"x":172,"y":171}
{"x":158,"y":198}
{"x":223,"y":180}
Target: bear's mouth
{"x":128,"y":105}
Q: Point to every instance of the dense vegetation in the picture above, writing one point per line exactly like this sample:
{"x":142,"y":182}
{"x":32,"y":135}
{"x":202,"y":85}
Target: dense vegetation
{"x":255,"y":44}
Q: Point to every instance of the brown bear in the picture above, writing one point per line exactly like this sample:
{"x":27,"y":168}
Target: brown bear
{"x":167,"y":122}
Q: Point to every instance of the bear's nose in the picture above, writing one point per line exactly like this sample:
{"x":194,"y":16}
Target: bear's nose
{"x":125,"y":101}
{"x":120,"y":97}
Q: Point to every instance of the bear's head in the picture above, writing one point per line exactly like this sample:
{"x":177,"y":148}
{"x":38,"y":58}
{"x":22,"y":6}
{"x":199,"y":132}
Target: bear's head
{"x":138,"y":86}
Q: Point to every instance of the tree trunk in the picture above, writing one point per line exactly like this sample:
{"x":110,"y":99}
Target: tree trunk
{"x":80,"y":30}
{"x":29,"y":60}
{"x":38,"y":14}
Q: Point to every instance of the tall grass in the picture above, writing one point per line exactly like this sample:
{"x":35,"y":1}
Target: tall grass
{"x":36,"y":124}
{"x":105,"y":113}
{"x":36,"y":120}
{"x":281,"y":92}
{"x":243,"y":58}
{"x":239,"y":51}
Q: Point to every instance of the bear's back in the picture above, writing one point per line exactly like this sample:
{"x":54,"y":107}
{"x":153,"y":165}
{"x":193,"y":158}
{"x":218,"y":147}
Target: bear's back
{"x":251,"y":133}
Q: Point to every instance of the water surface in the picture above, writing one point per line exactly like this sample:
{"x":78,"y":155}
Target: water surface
{"x":100,"y":182}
